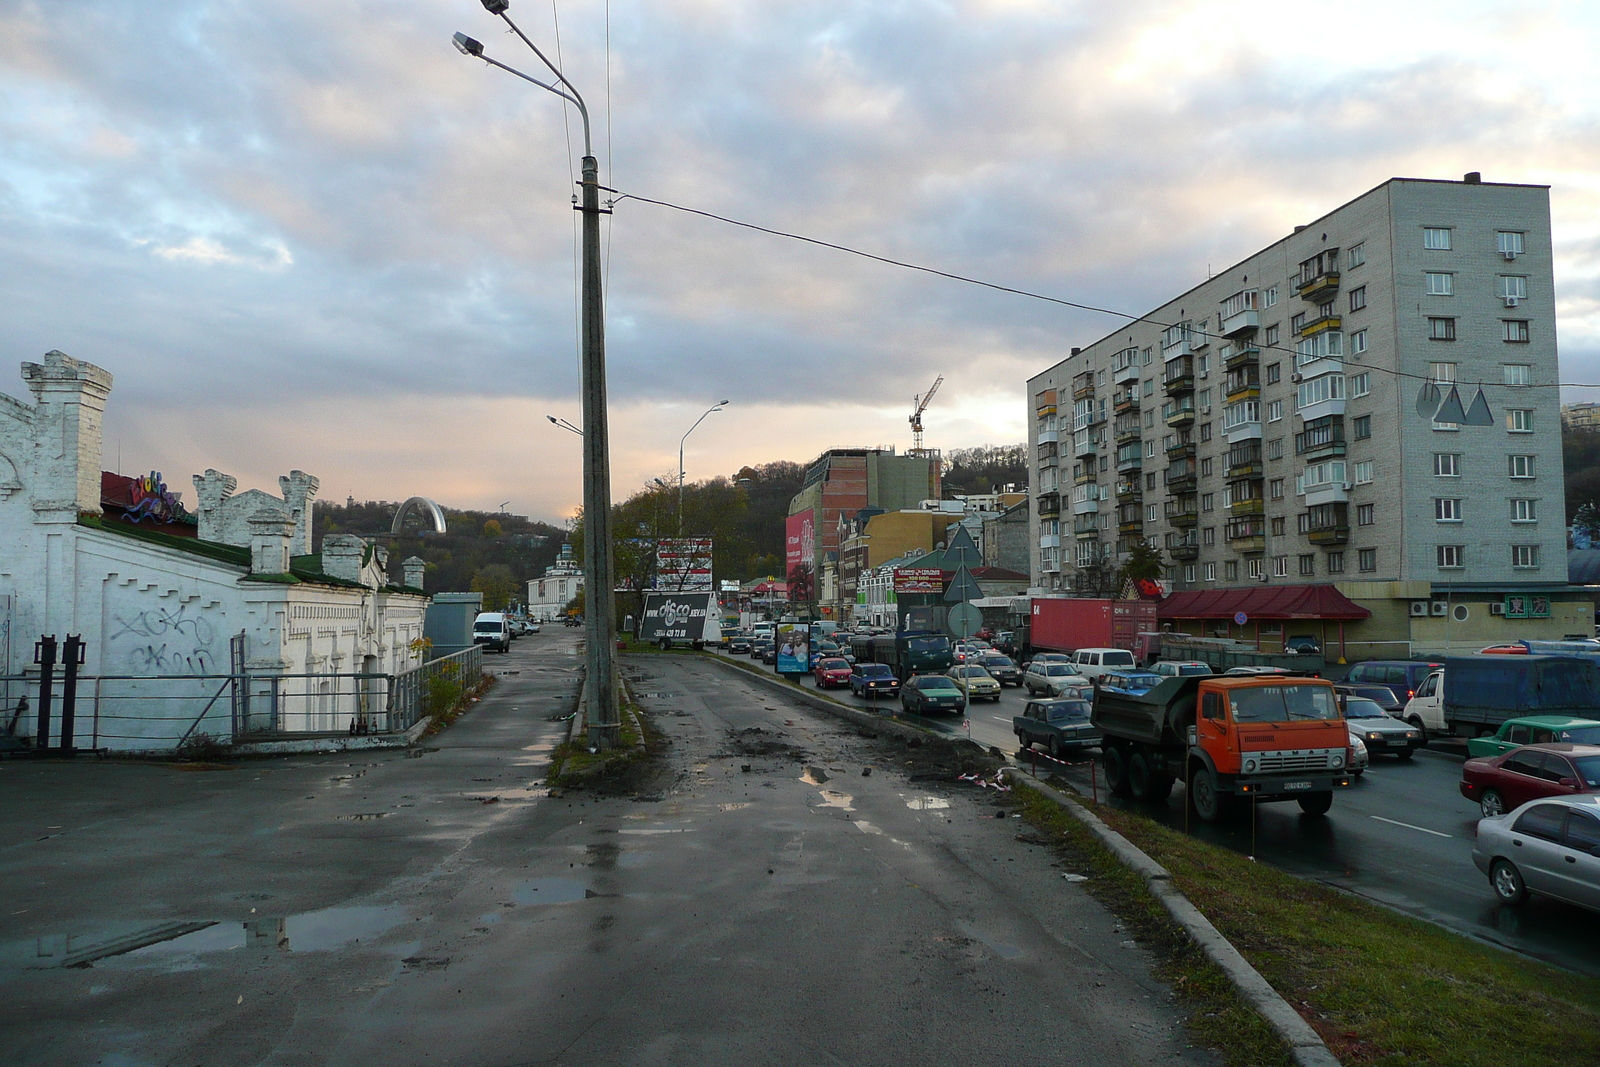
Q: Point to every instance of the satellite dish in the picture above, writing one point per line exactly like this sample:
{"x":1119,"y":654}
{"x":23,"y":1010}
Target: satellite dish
{"x":1428,"y":399}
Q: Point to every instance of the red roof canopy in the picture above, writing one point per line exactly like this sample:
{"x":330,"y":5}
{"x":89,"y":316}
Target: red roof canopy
{"x":1269,"y":602}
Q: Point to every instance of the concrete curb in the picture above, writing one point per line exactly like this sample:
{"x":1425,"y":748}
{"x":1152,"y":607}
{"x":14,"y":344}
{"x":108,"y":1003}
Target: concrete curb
{"x":1306,"y":1047}
{"x":353,"y":743}
{"x":855,"y":717}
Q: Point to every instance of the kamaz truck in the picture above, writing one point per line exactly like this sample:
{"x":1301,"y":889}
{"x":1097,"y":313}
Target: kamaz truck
{"x":1261,"y":738}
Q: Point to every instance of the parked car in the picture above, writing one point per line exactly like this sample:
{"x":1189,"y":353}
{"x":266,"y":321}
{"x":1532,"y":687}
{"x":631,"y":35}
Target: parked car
{"x":1060,"y":725}
{"x":1380,"y":695}
{"x":1402,"y":676}
{"x":492,"y":630}
{"x":533,"y":627}
{"x":1549,"y":846}
{"x":1047,"y":657}
{"x":932,"y":692}
{"x":974,"y":681}
{"x":1131,"y":682}
{"x":1248,"y":672}
{"x":1303,"y":644}
{"x":1382,"y":733}
{"x":1180,"y":668}
{"x":1051,"y":678}
{"x":1004,"y":670}
{"x":1532,"y":772}
{"x":1094,"y":662}
{"x":868,"y":680}
{"x":1535,"y":730}
{"x":831,"y":672}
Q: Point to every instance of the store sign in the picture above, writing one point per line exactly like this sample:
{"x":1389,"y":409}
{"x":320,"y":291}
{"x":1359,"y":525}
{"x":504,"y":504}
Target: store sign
{"x":683,"y":565}
{"x":1527,"y":607}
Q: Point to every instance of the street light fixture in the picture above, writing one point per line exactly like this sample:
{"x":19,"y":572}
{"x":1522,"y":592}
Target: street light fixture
{"x":564,"y":424}
{"x":604,"y":719}
{"x":718,"y":406}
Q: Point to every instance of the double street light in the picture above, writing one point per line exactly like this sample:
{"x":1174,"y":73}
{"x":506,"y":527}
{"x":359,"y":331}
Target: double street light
{"x":600,"y":615}
{"x":718,"y":406}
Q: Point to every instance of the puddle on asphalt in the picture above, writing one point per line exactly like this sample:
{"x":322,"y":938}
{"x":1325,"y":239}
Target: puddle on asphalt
{"x":549,"y":891}
{"x":833,"y":799}
{"x":312,"y":931}
{"x":814,"y":776}
{"x":927,"y":803}
{"x":867,"y":828}
{"x":548,"y":746}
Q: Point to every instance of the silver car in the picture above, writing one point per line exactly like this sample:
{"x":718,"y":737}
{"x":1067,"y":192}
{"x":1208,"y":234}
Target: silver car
{"x":1051,"y":678}
{"x":1549,"y":846}
{"x":1383,"y":734}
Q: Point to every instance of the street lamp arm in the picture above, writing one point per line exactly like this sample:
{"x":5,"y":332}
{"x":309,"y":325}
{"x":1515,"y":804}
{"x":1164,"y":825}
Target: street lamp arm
{"x":575,"y":96}
{"x":583,"y":112}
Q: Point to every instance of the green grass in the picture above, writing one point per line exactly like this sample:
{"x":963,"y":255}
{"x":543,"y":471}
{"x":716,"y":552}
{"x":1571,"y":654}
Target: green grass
{"x":1381,"y":988}
{"x":571,"y":764}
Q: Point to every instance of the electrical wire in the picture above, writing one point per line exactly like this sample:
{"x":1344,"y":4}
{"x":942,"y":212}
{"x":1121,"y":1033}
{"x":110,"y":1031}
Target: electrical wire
{"x":1131,"y":318}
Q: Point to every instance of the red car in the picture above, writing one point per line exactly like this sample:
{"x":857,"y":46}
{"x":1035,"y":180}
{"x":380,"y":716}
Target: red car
{"x":1502,"y":783}
{"x":831,"y":673}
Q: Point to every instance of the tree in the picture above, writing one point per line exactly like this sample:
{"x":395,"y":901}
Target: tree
{"x":980,"y":470}
{"x":492,"y":528}
{"x":1144,"y":564}
{"x":497,"y":584}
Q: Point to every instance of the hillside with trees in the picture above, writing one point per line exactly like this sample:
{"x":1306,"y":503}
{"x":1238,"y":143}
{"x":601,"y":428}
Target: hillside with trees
{"x":985,"y":469}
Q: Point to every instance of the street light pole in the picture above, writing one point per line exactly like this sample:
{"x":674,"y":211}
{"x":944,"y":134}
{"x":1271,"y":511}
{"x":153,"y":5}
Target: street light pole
{"x":718,"y":406}
{"x":604,"y":719}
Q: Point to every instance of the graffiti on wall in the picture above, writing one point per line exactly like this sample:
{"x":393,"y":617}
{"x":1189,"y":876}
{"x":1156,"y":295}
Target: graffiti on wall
{"x":150,"y":499}
{"x":166,"y":641}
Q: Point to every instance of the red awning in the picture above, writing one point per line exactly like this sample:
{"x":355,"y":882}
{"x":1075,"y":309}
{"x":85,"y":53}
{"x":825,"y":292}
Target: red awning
{"x":1271,"y":602}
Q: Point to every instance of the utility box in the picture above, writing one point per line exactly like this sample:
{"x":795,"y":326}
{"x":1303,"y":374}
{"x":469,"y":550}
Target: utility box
{"x":448,"y":623}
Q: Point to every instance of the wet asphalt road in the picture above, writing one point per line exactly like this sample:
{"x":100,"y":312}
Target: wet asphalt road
{"x":1402,"y":836}
{"x":368,"y":909}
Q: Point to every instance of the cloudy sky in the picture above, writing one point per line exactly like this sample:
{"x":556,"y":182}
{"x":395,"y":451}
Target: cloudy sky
{"x":309,"y":233}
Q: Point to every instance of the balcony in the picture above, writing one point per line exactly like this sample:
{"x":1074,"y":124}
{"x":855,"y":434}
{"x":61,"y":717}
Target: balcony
{"x":1046,"y":462}
{"x":1181,"y":449}
{"x":1312,"y":327}
{"x":1241,"y":322}
{"x":1243,"y":460}
{"x":1084,"y":443}
{"x":1126,"y":464}
{"x":1243,"y":384}
{"x":1083,"y":386}
{"x":1180,"y":477}
{"x":1130,"y":488}
{"x":1123,"y":403}
{"x":1185,"y":553}
{"x":1181,"y":414}
{"x":1125,"y":366}
{"x":1252,"y":506}
{"x":1049,"y":540}
{"x":1085,"y":475}
{"x":1086,"y":526}
{"x":1132,"y":526}
{"x":1247,"y":535}
{"x":1243,"y":355}
{"x":1321,"y":439}
{"x":1044,"y":403}
{"x":1049,"y":504}
{"x":1048,"y":437}
{"x":1088,"y":505}
{"x":1179,"y":376}
{"x":1318,"y":288}
{"x":1047,"y":450}
{"x":1186,"y":516}
{"x":1126,"y":429}
{"x":1328,"y":535}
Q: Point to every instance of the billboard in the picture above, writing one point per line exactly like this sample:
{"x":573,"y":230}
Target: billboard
{"x":918,"y":580}
{"x":683,"y":565}
{"x":799,"y":555}
{"x":677,"y":616}
{"x":794,"y":648}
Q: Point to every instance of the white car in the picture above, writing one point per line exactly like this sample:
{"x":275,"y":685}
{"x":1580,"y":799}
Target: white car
{"x":1052,"y":678}
{"x":1180,"y":668}
{"x":1096,"y":662}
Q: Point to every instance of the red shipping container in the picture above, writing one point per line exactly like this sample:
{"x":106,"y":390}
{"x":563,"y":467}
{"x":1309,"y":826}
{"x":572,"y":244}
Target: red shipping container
{"x":1065,"y":624}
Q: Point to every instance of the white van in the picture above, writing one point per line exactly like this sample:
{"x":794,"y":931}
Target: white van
{"x":1097,"y":662}
{"x":492,"y":629}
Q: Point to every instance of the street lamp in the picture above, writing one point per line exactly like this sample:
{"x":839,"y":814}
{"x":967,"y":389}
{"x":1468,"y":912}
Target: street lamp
{"x":718,"y":406}
{"x":564,"y":424}
{"x":600,"y":617}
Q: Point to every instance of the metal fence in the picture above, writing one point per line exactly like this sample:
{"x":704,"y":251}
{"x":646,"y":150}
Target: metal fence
{"x":144,"y":713}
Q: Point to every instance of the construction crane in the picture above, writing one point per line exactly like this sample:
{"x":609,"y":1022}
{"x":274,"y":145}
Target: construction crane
{"x":916,"y":416}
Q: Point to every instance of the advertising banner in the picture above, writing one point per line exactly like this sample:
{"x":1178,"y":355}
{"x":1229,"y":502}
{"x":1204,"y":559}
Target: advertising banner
{"x":794,"y":648}
{"x":676,"y":616}
{"x":799,"y":555}
{"x":918,"y":580}
{"x":683,"y":565}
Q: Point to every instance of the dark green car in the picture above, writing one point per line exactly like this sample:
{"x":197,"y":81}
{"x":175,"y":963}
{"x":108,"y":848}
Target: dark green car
{"x":932,"y":692}
{"x":1533,"y":730}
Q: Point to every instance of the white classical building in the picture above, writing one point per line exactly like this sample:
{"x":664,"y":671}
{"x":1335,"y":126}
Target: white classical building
{"x":549,"y":596}
{"x":240,"y":631}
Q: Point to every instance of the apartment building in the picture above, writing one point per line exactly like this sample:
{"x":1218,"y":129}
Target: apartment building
{"x":1369,"y":403}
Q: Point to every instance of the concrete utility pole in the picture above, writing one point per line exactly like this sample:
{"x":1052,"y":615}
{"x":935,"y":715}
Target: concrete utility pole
{"x":599,"y":616}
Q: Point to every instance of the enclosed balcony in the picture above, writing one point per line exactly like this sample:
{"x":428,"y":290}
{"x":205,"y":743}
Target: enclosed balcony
{"x":1328,"y":524}
{"x":1323,"y":319}
{"x":1181,"y":477}
{"x":1321,"y":439}
{"x":1130,"y":487}
{"x":1319,"y":276}
{"x":1085,"y":442}
{"x":1243,"y":459}
{"x":1177,"y":341}
{"x":1127,"y":428}
{"x":1125,"y":366}
{"x":1044,"y":403}
{"x":1179,"y":412}
{"x":1047,"y":450}
{"x":1242,"y":420}
{"x":1124,"y":401}
{"x":1050,"y":436}
{"x":1085,"y":473}
{"x":1242,"y":354}
{"x":1178,"y":377}
{"x":1247,"y":534}
{"x":1049,"y":504}
{"x":1086,"y":504}
{"x":1086,"y":526}
{"x":1243,"y":383}
{"x":1183,"y":447}
{"x":1182,"y":510}
{"x":1083,"y":385}
{"x":1129,"y":459}
{"x":1241,"y":312}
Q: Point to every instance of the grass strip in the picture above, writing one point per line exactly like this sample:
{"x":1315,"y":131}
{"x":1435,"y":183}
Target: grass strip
{"x":572,"y":764}
{"x":1380,"y":987}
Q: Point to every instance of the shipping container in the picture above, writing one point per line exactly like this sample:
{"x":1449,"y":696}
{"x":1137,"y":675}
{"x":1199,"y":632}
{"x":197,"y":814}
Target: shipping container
{"x":1066,"y":624}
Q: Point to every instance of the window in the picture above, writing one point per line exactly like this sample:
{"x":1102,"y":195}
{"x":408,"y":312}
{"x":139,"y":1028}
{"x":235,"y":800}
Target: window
{"x":1364,"y":514}
{"x":1308,"y":564}
{"x":1335,"y":562}
{"x":1361,"y":473}
{"x":1280,"y":566}
{"x":1274,"y":373}
{"x":1514,"y":331}
{"x":1204,"y":399}
{"x":1252,"y":568}
{"x":1440,"y":284}
{"x":1315,"y":391}
{"x":1517,"y":373}
{"x":1147,"y":357}
{"x":1275,"y":411}
{"x":1205,"y":432}
{"x":1205,"y":468}
{"x":1208,"y":502}
{"x":1188,"y":573}
{"x":1150,"y":480}
{"x":1519,"y":420}
{"x":1521,"y":466}
{"x":1442,"y":372}
{"x":1208,"y":536}
{"x":1522,"y":510}
{"x":1328,"y":472}
{"x":1279,"y":524}
{"x":1358,"y":342}
{"x":1524,"y":556}
{"x":1149,"y":450}
{"x":1149,"y":386}
{"x":1361,"y":384}
{"x":1436,"y":239}
{"x":1449,"y":557}
{"x":1271,"y":297}
{"x":1272,"y":333}
{"x":1211,"y":572}
{"x":1105,"y":461}
{"x":1446,"y":509}
{"x":1447,"y":464}
{"x":1150,"y":419}
{"x":1509,"y":243}
{"x":1101,"y":379}
{"x":1230,"y":570}
{"x":1297,"y":322}
{"x":1203,"y":365}
{"x":1441,"y":329}
{"x":1275,"y":489}
{"x":1513,"y":287}
{"x":1357,"y":255}
{"x":1275,"y":448}
{"x":1367,"y":559}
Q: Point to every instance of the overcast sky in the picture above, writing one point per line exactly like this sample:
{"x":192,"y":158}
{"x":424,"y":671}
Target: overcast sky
{"x":310,"y":234}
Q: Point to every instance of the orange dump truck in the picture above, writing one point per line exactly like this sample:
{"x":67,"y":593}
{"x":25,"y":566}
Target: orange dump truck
{"x":1266,"y":737}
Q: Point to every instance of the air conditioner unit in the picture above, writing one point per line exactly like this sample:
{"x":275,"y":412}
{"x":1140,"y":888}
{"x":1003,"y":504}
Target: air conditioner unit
{"x":1295,"y":378}
{"x":1419,"y":608}
{"x":1440,"y":609}
{"x":1509,"y":254}
{"x":1497,"y":609}
{"x":1512,"y":301}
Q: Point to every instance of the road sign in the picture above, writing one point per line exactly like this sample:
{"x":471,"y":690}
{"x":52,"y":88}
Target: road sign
{"x":965,"y":620}
{"x":1240,"y":617}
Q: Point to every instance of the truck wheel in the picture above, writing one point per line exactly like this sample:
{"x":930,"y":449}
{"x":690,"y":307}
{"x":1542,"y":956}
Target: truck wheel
{"x":1317,"y":803}
{"x":665,"y":644}
{"x":1139,"y":776}
{"x":1416,"y":720}
{"x":1115,"y":762}
{"x":1209,"y":803}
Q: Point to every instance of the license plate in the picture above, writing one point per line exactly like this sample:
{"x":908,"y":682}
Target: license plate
{"x":1297,"y":785}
